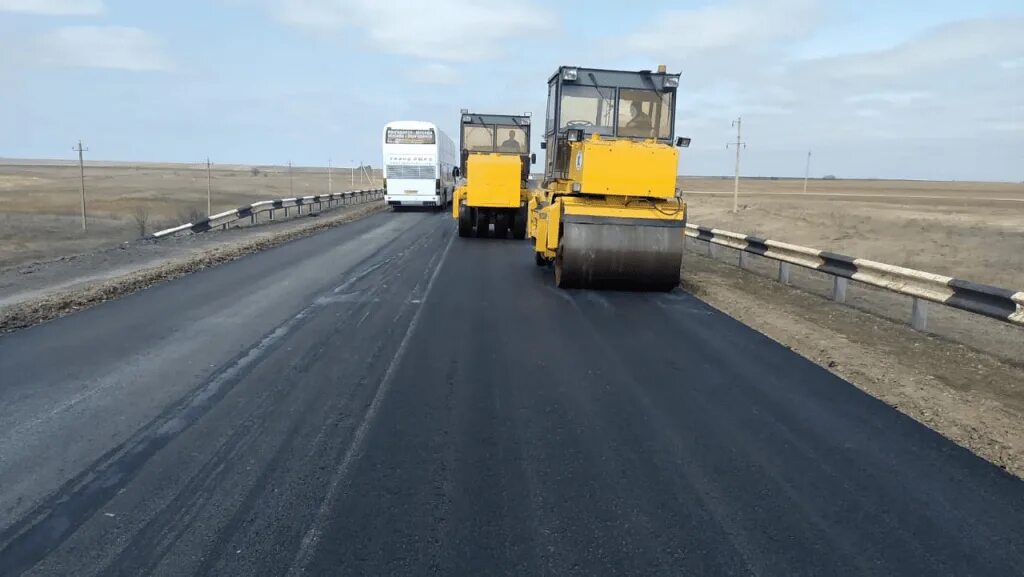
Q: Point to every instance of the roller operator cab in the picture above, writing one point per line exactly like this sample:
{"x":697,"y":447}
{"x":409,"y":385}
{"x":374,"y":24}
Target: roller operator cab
{"x":608,"y":213}
{"x":494,"y":169}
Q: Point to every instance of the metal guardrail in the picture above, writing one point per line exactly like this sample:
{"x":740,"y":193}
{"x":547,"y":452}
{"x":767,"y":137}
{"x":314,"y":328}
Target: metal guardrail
{"x":998,"y":303}
{"x":251,"y":211}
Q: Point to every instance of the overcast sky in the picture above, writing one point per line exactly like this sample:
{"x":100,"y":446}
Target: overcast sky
{"x":927,"y":89}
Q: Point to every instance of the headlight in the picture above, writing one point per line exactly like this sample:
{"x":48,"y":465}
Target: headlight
{"x":570,"y":74}
{"x":671,"y":82}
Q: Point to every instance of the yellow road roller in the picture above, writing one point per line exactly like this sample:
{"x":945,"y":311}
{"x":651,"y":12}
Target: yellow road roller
{"x":608,"y":214}
{"x":494,"y":169}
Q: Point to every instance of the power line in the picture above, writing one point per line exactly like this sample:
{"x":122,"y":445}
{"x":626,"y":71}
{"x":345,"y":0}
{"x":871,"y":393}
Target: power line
{"x":738,"y":123}
{"x":81,"y":171}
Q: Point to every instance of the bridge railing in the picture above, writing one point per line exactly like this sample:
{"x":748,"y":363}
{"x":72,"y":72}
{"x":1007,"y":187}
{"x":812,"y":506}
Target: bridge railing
{"x":252,"y":211}
{"x":995,"y":302}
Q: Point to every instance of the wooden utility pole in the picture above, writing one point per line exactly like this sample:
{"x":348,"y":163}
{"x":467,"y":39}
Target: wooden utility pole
{"x":330,"y":181}
{"x":81,"y":171}
{"x":291,"y":187}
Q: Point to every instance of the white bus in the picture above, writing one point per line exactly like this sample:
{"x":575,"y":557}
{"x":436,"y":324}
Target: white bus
{"x":418,"y":163}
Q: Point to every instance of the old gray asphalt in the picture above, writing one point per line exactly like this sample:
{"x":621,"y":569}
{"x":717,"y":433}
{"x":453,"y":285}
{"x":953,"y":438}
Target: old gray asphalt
{"x":385,"y":399}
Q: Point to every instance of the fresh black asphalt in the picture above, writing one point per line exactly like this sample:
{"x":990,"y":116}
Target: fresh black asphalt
{"x":384,"y":398}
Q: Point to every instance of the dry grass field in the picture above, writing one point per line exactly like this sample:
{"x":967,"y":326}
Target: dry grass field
{"x":40,"y":202}
{"x":971,"y":230}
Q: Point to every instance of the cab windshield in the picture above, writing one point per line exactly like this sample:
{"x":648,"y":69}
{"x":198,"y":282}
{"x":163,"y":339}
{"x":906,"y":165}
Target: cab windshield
{"x":494,"y":138}
{"x":623,"y":112}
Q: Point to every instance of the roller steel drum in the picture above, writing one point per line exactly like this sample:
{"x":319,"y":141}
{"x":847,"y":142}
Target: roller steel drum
{"x":619,"y":253}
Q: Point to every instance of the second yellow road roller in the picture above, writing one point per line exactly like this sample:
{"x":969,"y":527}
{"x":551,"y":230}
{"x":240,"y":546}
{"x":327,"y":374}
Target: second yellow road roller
{"x":608,"y":214}
{"x":495,"y":169}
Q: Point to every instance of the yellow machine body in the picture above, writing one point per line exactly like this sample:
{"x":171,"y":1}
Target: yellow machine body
{"x":495,"y":167}
{"x":608,"y":213}
{"x":621,"y":168}
{"x":493,"y":182}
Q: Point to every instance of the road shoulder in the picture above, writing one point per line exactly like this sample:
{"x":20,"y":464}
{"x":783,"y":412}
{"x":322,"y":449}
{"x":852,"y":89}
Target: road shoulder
{"x":973,"y":398}
{"x":39,"y":292}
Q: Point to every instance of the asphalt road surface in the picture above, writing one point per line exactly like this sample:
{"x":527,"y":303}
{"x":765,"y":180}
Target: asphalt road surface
{"x":384,"y":398}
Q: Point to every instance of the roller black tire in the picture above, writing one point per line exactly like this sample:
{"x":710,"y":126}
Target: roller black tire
{"x":562,"y":281}
{"x":483,"y":223}
{"x":501,"y":225}
{"x":519,"y":224}
{"x":465,"y":221}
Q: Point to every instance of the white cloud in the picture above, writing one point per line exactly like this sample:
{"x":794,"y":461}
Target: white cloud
{"x":893,"y":98}
{"x":449,"y":30}
{"x":987,"y":39}
{"x":736,"y":25}
{"x":433,"y":73}
{"x":53,"y":7}
{"x":103,"y":47}
{"x":931,"y":105}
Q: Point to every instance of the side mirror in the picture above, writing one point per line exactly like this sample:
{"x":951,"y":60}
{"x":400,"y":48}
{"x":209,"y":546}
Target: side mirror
{"x":683,"y":142}
{"x":543,"y":144}
{"x":533,"y":158}
{"x":455,"y":172}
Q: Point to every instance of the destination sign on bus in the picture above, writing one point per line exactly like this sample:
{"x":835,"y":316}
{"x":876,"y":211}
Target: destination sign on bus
{"x":410,"y":136}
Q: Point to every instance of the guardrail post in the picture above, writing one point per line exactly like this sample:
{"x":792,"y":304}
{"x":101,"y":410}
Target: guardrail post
{"x":252,"y":218}
{"x":712,"y":249}
{"x":784,"y":269}
{"x":743,"y":259}
{"x":919,"y":314}
{"x":839,"y":285}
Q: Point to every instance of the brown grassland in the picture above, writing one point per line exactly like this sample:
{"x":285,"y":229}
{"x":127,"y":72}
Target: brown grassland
{"x":40,"y":202}
{"x":970,"y":230}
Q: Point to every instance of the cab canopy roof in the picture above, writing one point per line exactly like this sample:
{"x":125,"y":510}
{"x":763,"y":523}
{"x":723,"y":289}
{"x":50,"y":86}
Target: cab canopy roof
{"x":498,"y":119}
{"x":640,"y":79}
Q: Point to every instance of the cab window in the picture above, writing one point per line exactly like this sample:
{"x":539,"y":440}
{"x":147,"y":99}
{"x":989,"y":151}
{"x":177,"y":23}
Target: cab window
{"x":591,"y":108}
{"x":645,"y":114}
{"x":478,"y":138}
